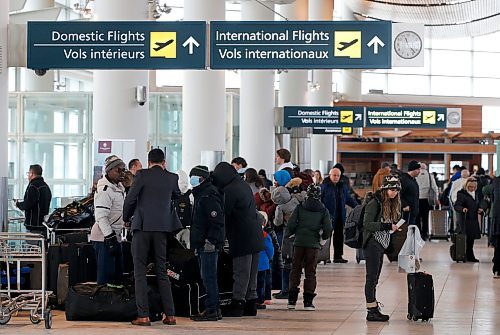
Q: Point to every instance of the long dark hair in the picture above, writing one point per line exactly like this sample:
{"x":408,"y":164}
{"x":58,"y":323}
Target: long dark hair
{"x":251,"y":176}
{"x":391,"y":208}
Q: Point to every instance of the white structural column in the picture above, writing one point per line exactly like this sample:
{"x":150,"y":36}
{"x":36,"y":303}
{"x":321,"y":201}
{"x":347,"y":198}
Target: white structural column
{"x":117,"y":115}
{"x":33,"y":82}
{"x":351,"y":79}
{"x":203,"y":96}
{"x":4,"y":88}
{"x":293,"y":89}
{"x":323,"y":147}
{"x":257,"y":103}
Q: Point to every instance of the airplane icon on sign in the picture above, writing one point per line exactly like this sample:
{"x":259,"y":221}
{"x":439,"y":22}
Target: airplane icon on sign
{"x":345,"y":45}
{"x":162,"y":45}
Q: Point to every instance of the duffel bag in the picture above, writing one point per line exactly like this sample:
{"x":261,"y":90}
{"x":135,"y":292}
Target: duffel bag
{"x":92,"y":302}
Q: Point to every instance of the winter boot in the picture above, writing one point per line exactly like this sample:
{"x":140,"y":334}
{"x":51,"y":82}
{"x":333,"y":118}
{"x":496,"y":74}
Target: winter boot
{"x":292,"y":298}
{"x":249,"y":308}
{"x":374,"y":314}
{"x":234,"y":310}
{"x":308,"y":301}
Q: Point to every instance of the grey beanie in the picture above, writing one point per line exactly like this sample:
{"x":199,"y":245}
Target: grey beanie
{"x":112,"y":162}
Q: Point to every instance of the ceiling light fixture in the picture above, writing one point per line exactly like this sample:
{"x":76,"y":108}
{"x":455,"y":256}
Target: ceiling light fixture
{"x":158,"y":10}
{"x":85,"y":9}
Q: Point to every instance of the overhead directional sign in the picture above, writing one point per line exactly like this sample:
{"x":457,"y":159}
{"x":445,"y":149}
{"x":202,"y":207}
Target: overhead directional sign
{"x":300,"y":44}
{"x":406,"y":117}
{"x":323,"y":117}
{"x":117,"y":45}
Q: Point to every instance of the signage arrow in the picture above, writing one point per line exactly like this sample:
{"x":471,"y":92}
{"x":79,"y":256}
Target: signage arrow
{"x":191,"y":42}
{"x":375,"y":42}
{"x":358,"y":117}
{"x":440,"y":117}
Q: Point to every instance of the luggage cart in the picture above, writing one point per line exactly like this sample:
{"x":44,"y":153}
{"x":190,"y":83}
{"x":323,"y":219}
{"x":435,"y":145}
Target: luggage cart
{"x":14,"y":249}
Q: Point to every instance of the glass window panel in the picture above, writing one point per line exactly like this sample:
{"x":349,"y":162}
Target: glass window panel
{"x":373,"y":81}
{"x":74,"y":162}
{"x":12,"y":115}
{"x":58,"y":122}
{"x":486,"y":64}
{"x":486,"y":87}
{"x":74,"y":123}
{"x":490,"y":42}
{"x":13,"y":158}
{"x":170,"y":107}
{"x":58,"y":167}
{"x":40,"y":110}
{"x":453,"y":43}
{"x":455,"y":63}
{"x":451,"y":86}
{"x":408,"y":84}
{"x":490,"y":117}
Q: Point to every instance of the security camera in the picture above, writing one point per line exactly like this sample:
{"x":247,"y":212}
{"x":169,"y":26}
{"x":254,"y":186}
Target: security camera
{"x":140,"y":95}
{"x":40,"y":72}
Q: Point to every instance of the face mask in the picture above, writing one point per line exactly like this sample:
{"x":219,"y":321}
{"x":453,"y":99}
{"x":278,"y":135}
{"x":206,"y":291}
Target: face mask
{"x":241,"y":171}
{"x":195,"y":181}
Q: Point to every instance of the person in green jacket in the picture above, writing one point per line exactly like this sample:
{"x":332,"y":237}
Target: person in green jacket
{"x":382,"y":213}
{"x":309,"y":222}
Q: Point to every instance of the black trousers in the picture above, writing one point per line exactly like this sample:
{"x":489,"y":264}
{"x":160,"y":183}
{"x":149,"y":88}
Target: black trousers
{"x":374,"y":257}
{"x":469,"y":251}
{"x":338,"y":239}
{"x":496,"y":256}
{"x":423,"y":217}
{"x":142,"y":242}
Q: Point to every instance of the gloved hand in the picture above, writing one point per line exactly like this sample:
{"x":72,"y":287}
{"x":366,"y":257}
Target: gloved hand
{"x":208,"y":247}
{"x":111,"y":243}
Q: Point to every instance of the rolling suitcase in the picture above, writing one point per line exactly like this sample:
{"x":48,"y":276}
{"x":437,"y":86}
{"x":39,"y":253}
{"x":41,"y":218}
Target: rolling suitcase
{"x":438,"y":224}
{"x":82,"y":263}
{"x":458,"y":248}
{"x":420,"y":296}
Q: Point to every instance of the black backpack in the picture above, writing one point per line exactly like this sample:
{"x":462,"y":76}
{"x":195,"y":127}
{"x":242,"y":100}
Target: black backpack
{"x":353,"y":228}
{"x":444,"y":197}
{"x":184,"y":209}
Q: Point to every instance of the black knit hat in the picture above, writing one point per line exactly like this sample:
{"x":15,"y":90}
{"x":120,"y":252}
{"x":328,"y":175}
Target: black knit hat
{"x":200,"y":170}
{"x":391,"y":182}
{"x":314,"y":191}
{"x":413,"y":165}
{"x":340,"y":167}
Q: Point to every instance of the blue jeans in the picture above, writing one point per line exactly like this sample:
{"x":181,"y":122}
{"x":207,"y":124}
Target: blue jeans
{"x":264,"y":285}
{"x":208,"y":268}
{"x":109,"y":267}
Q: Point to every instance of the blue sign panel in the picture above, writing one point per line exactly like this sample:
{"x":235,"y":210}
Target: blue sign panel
{"x":323,"y":117}
{"x":116,"y":45}
{"x":406,"y":117}
{"x":300,"y":45}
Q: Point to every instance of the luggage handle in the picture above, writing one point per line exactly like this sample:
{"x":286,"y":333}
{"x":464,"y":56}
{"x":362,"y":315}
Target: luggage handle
{"x":98,"y":289}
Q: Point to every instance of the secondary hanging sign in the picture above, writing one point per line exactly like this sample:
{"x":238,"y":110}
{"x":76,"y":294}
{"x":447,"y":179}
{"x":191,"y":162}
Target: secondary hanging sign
{"x":406,"y":117}
{"x":300,"y":44}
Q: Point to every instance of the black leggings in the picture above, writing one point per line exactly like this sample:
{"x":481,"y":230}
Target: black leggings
{"x":374,"y":256}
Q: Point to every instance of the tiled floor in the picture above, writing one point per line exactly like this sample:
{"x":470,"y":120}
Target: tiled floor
{"x":467,"y":298}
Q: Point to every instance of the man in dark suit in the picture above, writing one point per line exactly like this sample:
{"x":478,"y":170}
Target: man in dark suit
{"x":148,"y":204}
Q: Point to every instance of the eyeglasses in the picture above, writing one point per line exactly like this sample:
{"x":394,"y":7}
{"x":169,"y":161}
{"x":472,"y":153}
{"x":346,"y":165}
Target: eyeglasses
{"x":28,"y":173}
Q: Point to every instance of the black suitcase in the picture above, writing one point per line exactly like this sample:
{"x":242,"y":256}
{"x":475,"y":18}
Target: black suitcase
{"x":82,"y":263}
{"x":458,"y":248}
{"x":57,"y":254}
{"x":188,"y":298}
{"x":420,"y":296}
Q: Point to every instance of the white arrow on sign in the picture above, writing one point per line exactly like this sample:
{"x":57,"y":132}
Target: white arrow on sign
{"x":358,"y":117}
{"x":375,"y":42}
{"x":440,"y":117}
{"x":191,"y":42}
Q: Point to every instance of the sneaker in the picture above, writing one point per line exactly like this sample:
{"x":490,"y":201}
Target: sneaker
{"x":496,"y":275}
{"x":308,"y":306}
{"x":340,"y":260}
{"x":206,"y":316}
{"x":291,"y":305}
{"x":268,"y":302}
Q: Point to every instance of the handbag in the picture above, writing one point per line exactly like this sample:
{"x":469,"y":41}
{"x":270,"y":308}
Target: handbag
{"x":175,"y":224}
{"x":431,"y":197}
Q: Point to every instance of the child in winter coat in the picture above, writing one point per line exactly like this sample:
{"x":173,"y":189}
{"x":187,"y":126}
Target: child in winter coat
{"x":309,"y":222}
{"x":264,"y":274}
